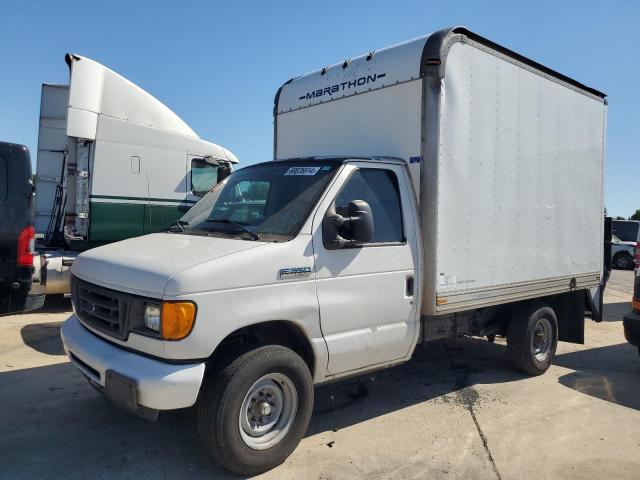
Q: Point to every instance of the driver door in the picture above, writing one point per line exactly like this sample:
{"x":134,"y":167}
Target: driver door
{"x":367,"y":294}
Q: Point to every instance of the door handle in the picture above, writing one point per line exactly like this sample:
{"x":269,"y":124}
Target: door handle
{"x":409,"y":286}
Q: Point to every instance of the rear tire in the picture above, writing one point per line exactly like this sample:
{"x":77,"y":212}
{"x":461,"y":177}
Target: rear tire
{"x":532,"y":338}
{"x":623,"y":261}
{"x":253,"y":414}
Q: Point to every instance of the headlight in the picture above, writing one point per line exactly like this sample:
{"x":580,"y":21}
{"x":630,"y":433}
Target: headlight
{"x":152,"y":316}
{"x":172,"y":320}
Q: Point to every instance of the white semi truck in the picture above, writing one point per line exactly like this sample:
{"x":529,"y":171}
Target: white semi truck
{"x":444,"y":186}
{"x":113,"y":163}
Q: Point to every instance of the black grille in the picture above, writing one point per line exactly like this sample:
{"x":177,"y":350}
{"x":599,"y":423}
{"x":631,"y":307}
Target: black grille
{"x":101,"y":308}
{"x":636,"y":289}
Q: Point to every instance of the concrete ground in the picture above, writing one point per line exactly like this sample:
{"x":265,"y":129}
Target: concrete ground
{"x":457,"y":410}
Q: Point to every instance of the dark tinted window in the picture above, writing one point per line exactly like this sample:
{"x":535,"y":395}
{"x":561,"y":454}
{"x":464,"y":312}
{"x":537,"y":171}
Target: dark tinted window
{"x":626,"y":231}
{"x":4,"y":179}
{"x":379,"y":188}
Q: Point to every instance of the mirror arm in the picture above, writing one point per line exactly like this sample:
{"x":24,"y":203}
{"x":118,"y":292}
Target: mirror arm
{"x":338,"y":221}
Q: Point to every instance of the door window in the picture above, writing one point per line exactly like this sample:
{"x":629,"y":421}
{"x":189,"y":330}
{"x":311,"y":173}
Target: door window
{"x":204,"y":176}
{"x":379,"y":188}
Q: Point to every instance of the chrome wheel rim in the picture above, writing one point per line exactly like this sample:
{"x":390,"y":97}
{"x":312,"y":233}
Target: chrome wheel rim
{"x":542,"y":339}
{"x":268,"y":411}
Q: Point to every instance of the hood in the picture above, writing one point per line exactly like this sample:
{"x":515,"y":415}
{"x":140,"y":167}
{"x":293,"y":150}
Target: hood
{"x":144,"y":265}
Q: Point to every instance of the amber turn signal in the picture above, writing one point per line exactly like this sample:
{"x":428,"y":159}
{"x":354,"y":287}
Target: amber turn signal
{"x":177,"y":319}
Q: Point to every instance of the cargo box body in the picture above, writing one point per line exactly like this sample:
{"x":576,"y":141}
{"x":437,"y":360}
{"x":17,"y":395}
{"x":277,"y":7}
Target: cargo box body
{"x":506,"y":158}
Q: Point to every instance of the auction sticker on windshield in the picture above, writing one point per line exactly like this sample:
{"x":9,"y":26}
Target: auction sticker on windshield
{"x":302,"y":171}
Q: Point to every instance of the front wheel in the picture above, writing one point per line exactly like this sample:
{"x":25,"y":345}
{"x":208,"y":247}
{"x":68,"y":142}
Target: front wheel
{"x":532,"y":338}
{"x":256,"y":411}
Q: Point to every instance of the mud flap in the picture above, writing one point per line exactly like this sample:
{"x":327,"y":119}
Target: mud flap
{"x":595,"y":302}
{"x":569,"y":308}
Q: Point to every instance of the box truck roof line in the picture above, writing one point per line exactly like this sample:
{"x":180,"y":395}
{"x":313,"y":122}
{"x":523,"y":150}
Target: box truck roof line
{"x":398,"y":64}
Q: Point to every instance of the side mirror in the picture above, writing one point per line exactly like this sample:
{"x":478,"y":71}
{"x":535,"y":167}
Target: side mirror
{"x":356,"y":228}
{"x":224,"y":170}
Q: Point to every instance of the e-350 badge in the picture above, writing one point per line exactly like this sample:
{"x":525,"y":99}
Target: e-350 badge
{"x":294,"y":272}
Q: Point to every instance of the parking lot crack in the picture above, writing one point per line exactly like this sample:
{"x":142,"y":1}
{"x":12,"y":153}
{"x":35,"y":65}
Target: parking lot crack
{"x":468,"y":397}
{"x":484,"y":443}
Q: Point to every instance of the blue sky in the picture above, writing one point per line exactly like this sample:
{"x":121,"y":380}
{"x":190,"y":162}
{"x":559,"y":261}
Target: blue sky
{"x":218,"y":65}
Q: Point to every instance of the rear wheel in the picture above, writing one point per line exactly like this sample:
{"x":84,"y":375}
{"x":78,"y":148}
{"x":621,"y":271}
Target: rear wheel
{"x":532,"y":338}
{"x":254,"y":413}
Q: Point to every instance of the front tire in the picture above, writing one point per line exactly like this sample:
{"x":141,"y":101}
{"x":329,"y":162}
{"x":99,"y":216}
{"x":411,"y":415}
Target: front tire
{"x":253,"y":414}
{"x":532,"y":338}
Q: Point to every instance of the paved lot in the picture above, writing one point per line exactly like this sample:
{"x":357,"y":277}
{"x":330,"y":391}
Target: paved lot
{"x":457,"y":410}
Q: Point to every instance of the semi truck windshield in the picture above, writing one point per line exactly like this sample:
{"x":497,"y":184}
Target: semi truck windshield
{"x":268,"y":201}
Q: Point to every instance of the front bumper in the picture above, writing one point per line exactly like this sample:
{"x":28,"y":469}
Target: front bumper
{"x":156,"y":385}
{"x":631,"y":322}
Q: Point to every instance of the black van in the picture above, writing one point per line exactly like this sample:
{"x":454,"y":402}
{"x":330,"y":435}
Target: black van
{"x":17,"y":234}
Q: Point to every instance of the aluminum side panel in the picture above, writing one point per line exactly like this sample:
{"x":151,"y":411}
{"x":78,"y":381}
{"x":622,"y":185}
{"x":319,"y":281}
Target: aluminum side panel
{"x":520,"y":176}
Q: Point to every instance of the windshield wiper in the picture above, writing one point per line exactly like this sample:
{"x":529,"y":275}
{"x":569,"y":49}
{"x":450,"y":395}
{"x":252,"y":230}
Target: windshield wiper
{"x":253,"y":234}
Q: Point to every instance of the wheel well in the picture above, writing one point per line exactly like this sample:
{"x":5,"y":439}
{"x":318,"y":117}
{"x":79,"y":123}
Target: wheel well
{"x":279,"y":332}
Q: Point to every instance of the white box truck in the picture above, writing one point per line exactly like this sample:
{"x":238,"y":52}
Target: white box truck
{"x":444,"y":186}
{"x":113,"y":163}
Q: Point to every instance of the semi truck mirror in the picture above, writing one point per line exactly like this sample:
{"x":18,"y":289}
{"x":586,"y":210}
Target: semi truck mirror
{"x":354,"y":229}
{"x":224,"y":170}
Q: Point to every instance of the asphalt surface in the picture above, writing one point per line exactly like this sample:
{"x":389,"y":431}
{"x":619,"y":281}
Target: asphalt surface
{"x":457,"y":410}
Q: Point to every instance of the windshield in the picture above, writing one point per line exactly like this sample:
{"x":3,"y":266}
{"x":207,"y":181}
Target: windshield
{"x":268,"y":201}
